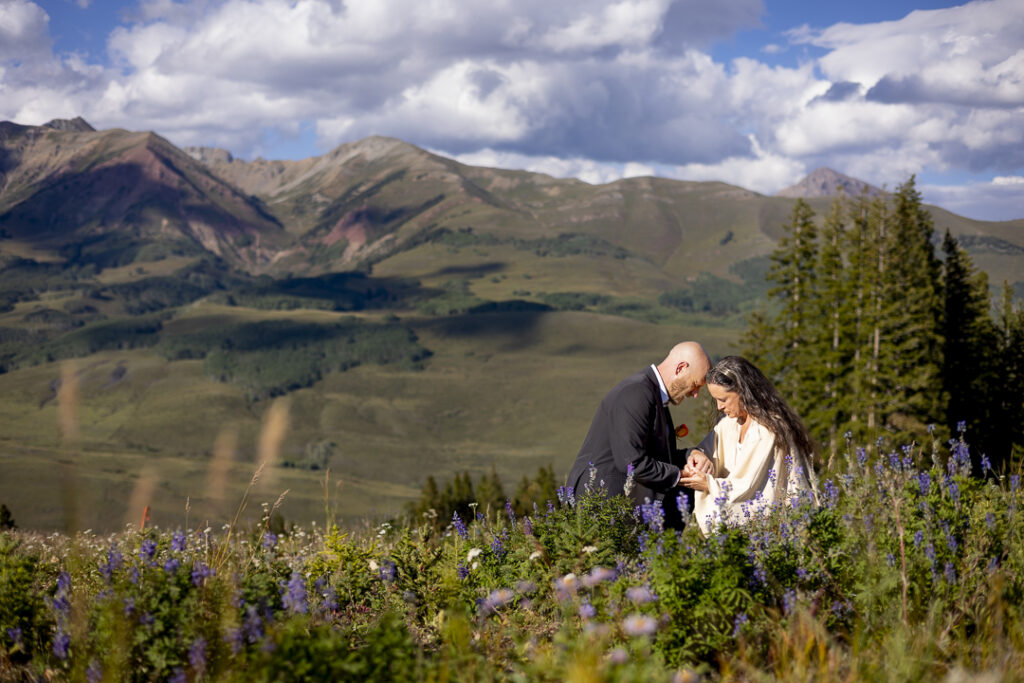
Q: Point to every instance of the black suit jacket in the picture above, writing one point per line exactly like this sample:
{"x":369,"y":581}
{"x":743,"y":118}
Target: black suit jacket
{"x":633,"y":426}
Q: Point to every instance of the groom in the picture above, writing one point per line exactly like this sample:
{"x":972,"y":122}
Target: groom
{"x":633,"y":426}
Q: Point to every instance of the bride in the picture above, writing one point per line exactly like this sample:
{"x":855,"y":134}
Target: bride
{"x":761,"y":453}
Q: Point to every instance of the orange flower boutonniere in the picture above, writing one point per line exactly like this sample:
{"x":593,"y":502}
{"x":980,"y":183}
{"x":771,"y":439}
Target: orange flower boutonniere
{"x":681,"y":431}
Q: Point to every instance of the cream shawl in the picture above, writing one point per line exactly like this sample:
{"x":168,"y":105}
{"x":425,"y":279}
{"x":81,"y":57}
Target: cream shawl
{"x":747,"y":480}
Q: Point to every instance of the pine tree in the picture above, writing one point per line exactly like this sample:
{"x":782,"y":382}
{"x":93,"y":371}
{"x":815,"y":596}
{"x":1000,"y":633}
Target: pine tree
{"x":910,"y":359}
{"x":1008,"y":409}
{"x":865,"y":266}
{"x":970,"y":339}
{"x":830,"y":356}
{"x":489,"y":493}
{"x":793,"y":271}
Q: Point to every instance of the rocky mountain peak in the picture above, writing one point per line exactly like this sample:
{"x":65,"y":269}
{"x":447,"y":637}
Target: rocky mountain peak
{"x":75,"y":125}
{"x":209,"y":155}
{"x":824,"y":182}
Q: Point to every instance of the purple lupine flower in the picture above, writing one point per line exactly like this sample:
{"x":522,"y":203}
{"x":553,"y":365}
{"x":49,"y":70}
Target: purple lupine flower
{"x":587,"y":611}
{"x":653,"y":515}
{"x":15,"y":635}
{"x":630,"y":484}
{"x":498,"y":549}
{"x":329,"y":599}
{"x":918,"y":538}
{"x":510,"y":512}
{"x":462,"y":571}
{"x":1014,"y":482}
{"x":179,"y":542}
{"x":890,"y":560}
{"x":949,"y":573}
{"x":953,"y":490}
{"x":171,"y":565}
{"x":961,"y":426}
{"x":147,"y":550}
{"x":788,"y":600}
{"x":831,"y":493}
{"x":146,"y":619}
{"x":269,"y":540}
{"x":61,"y":643}
{"x":94,"y":672}
{"x":235,"y":639}
{"x":388,"y":571}
{"x":737,"y":624}
{"x":929,"y":552}
{"x":551,"y":506}
{"x":848,"y":435}
{"x":924,"y":482}
{"x":527,"y":526}
{"x":197,"y":656}
{"x":683,"y":505}
{"x":252,"y":625}
{"x":293,"y":594}
{"x":201,"y":572}
{"x":460,"y":527}
{"x":986,"y":464}
{"x":114,"y":562}
{"x":862,"y":457}
{"x":178,"y":676}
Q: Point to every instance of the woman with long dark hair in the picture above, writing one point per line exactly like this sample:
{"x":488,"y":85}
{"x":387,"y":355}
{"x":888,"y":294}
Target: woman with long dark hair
{"x":762,"y":449}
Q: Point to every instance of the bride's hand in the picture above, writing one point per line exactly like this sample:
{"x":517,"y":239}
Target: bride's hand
{"x":700,"y":462}
{"x":692,"y":479}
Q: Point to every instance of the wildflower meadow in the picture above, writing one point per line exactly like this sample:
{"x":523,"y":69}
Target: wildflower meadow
{"x":908,"y":566}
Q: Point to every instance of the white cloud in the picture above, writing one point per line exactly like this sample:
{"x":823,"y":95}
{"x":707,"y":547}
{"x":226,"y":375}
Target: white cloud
{"x":599,"y":89}
{"x":999,"y":199}
{"x":765,"y":172}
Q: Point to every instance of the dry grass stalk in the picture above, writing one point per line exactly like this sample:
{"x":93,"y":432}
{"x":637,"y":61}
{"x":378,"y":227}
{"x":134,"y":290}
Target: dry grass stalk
{"x":222,"y":554}
{"x":67,"y":401}
{"x":224,"y":449}
{"x":275,"y":427}
{"x":141,"y":497}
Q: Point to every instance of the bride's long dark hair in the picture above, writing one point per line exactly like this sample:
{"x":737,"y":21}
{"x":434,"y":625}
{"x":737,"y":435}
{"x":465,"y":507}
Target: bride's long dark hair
{"x":762,"y":401}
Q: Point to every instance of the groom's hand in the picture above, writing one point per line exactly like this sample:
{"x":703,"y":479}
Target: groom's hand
{"x":700,"y":462}
{"x":692,"y":479}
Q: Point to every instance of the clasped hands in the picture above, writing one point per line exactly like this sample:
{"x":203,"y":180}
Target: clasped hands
{"x":694,"y":473}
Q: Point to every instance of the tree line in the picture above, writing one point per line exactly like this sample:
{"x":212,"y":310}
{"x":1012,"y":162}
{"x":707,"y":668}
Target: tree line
{"x":873,"y":335}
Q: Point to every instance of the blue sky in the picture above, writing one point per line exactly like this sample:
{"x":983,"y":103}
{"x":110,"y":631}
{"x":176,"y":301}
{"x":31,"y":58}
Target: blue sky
{"x":753,"y":92}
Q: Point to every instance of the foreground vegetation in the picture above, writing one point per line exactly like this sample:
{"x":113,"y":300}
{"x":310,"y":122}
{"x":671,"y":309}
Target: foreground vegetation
{"x":908,"y":569}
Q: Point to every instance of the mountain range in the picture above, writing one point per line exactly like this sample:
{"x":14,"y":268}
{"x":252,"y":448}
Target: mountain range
{"x":417,"y":315}
{"x":65,"y":184}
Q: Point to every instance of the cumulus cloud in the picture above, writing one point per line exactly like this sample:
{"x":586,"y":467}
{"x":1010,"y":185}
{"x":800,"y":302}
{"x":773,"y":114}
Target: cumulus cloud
{"x":998,"y":199}
{"x":598,"y":89}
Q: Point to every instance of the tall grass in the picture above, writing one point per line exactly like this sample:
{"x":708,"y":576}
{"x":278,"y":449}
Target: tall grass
{"x":909,"y":569}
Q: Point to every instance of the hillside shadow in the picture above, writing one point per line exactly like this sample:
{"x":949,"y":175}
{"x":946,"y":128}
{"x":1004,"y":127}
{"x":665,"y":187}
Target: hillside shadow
{"x":502,"y":326}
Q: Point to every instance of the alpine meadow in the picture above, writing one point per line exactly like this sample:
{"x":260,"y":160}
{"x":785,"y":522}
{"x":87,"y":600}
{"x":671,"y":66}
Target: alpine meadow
{"x":311,"y":420}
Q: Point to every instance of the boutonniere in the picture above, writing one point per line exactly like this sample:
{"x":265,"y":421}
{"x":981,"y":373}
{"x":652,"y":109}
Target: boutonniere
{"x":681,"y":431}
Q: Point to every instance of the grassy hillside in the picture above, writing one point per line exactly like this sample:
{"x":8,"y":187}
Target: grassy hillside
{"x":515,"y":390}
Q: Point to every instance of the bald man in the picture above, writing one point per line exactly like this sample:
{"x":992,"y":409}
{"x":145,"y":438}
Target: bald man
{"x":633,"y":426}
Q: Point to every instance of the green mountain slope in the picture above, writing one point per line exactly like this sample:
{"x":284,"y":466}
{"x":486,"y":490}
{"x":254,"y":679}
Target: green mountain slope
{"x":418,"y":316}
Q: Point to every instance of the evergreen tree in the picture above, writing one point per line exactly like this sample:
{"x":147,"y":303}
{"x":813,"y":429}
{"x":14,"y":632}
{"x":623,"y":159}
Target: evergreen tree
{"x":6,"y":519}
{"x":489,"y":493}
{"x":792,"y":271}
{"x":829,"y":358}
{"x":865,"y":266}
{"x":1008,"y":409}
{"x":970,"y":340}
{"x":910,"y":360}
